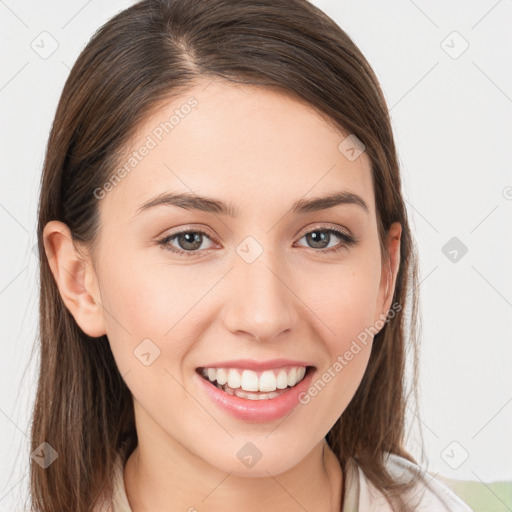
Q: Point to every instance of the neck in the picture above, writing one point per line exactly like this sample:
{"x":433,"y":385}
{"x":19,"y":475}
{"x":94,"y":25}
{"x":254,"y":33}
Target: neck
{"x":158,"y":482}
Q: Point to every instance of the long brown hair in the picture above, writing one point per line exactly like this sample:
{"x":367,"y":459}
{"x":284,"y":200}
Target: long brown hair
{"x":149,"y":53}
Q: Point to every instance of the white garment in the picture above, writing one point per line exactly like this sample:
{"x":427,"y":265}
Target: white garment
{"x":429,"y":494}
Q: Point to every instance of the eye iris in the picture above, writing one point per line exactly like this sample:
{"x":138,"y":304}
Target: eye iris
{"x":190,"y":238}
{"x":319,"y":239}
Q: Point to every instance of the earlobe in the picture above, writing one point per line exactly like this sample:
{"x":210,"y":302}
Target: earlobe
{"x":75,"y":278}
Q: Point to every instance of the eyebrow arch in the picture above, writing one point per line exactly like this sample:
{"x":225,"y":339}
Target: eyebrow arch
{"x":211,"y":205}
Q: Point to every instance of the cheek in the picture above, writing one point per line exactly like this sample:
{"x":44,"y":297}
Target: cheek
{"x":149,"y":334}
{"x":139,"y":309}
{"x":145,"y":298}
{"x":345,"y":326}
{"x":344,"y":302}
{"x":154,"y":315}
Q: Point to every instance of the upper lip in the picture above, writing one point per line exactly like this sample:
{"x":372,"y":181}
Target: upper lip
{"x":252,"y":364}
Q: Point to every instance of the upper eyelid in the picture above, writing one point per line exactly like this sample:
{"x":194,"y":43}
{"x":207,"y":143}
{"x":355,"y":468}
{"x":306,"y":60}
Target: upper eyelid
{"x":319,"y":227}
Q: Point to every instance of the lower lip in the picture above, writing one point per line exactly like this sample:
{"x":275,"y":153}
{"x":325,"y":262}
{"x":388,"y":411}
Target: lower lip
{"x":259,"y":411}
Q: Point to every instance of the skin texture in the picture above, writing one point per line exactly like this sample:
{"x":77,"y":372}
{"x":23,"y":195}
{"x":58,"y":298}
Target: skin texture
{"x":259,"y":150}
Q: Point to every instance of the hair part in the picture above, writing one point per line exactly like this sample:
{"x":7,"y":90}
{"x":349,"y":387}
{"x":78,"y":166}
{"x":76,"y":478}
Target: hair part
{"x":142,"y":57}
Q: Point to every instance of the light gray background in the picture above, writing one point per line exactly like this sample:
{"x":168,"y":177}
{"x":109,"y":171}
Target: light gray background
{"x":452,"y":119}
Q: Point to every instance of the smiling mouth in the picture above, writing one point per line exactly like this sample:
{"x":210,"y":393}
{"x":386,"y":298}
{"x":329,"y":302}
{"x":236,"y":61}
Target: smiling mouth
{"x":252,"y":385}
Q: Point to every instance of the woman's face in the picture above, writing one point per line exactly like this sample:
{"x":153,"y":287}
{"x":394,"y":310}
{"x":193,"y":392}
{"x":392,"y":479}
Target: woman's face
{"x":259,"y":283}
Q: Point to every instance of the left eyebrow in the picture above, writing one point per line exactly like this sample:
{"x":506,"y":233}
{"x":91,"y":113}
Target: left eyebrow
{"x":211,"y":205}
{"x":328,"y":201}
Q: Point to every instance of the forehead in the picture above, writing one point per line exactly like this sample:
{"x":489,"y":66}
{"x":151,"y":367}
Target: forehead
{"x":257,"y":148}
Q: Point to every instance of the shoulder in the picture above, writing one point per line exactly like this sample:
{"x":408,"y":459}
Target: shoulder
{"x":427,"y":495}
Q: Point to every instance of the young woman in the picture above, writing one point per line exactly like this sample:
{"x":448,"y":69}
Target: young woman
{"x":228,"y":276}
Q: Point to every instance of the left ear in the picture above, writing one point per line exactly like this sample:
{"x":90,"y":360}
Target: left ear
{"x":389,"y":272}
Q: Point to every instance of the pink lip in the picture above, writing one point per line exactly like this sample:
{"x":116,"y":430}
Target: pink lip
{"x":251,"y":364}
{"x":258,"y":411}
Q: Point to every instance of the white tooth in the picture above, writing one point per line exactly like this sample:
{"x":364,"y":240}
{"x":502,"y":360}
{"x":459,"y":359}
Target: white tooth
{"x":229,"y":391}
{"x":300,"y":373}
{"x":240,"y":393}
{"x":212,"y":374}
{"x":249,"y":381}
{"x":268,"y":396}
{"x":292,"y":375}
{"x":234,"y":378}
{"x":252,"y":396}
{"x":222,"y":376}
{"x":267,"y":381}
{"x":282,"y":380}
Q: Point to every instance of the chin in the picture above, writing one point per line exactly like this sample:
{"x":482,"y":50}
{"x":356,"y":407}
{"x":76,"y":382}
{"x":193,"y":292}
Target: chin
{"x":255,"y":459}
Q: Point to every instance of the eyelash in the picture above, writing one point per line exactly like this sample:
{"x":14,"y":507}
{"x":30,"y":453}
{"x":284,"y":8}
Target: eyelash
{"x":347,"y":241}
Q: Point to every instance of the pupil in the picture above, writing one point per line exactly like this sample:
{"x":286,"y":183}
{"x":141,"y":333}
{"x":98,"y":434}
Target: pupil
{"x":319,"y":237}
{"x":192,"y":238}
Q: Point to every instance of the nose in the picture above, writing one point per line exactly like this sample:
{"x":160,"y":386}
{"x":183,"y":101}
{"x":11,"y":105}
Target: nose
{"x":261,"y":303}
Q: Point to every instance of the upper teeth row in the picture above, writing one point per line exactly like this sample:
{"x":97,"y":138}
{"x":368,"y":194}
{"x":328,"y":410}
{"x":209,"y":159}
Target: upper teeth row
{"x":249,"y":380}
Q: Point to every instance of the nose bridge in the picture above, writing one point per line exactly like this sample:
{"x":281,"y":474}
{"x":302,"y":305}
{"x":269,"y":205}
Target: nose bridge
{"x":261,"y":303}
